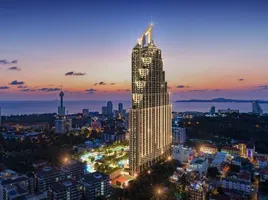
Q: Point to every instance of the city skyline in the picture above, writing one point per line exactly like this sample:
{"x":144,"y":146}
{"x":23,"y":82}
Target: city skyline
{"x":210,"y":49}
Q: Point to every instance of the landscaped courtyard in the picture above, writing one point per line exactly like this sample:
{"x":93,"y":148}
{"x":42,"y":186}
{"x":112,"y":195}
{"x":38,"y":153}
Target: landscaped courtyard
{"x":107,"y":159}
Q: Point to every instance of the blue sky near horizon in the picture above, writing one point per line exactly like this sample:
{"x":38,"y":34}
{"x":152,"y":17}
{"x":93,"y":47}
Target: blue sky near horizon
{"x":210,"y":48}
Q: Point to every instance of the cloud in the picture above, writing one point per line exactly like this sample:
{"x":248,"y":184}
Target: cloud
{"x":123,"y":90}
{"x":4,"y":87}
{"x":112,"y":83}
{"x":15,"y":82}
{"x":72,"y":73}
{"x":14,"y":68}
{"x":263,"y":87}
{"x":6,"y":62}
{"x":22,"y":86}
{"x":49,"y":89}
{"x":203,"y":90}
{"x":100,"y":83}
{"x":240,"y":79}
{"x":14,"y":62}
{"x":27,"y":90}
{"x":91,"y":91}
{"x":169,"y":87}
{"x":182,"y":86}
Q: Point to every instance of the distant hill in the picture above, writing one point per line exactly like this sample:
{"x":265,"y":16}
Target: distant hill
{"x":221,"y":100}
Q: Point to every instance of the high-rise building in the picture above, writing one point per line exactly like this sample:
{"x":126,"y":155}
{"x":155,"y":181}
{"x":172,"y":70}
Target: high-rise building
{"x":0,"y":117}
{"x":85,"y":113}
{"x":178,"y":135}
{"x":65,"y":189}
{"x":104,"y":110}
{"x":120,"y":107}
{"x":46,"y":176}
{"x":59,"y":126}
{"x":256,"y":108}
{"x":109,"y":108}
{"x":61,"y":108}
{"x":212,"y":110}
{"x":151,"y":112}
{"x":63,"y":125}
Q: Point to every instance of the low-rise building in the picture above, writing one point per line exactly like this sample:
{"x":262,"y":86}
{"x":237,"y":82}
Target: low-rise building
{"x":261,"y":163}
{"x":209,"y":149}
{"x":235,"y":184}
{"x":230,"y":150}
{"x":219,"y":159}
{"x":240,"y":182}
{"x":199,"y":164}
{"x":239,"y":161}
{"x":242,"y":148}
{"x":227,"y":111}
{"x":261,"y":156}
{"x":13,"y":185}
{"x":181,"y":153}
{"x":196,"y":191}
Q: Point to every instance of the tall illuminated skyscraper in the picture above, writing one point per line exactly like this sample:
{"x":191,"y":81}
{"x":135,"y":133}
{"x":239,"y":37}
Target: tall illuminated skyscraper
{"x":151,"y":112}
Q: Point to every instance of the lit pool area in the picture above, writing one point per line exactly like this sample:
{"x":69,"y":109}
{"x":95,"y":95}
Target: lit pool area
{"x":107,"y":158}
{"x":122,"y":163}
{"x":90,"y":168}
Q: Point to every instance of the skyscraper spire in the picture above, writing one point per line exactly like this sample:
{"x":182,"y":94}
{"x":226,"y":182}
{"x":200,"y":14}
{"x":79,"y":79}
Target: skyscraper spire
{"x":149,"y":33}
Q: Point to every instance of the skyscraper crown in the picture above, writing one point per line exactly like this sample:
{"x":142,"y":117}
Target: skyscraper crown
{"x":149,"y":33}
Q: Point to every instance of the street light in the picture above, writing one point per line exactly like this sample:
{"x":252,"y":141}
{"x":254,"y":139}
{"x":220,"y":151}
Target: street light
{"x":65,"y":159}
{"x":159,"y":191}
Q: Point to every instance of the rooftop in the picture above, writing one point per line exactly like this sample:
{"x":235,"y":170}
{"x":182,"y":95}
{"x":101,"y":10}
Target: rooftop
{"x":73,"y":163}
{"x":14,"y":180}
{"x":63,"y":184}
{"x":45,"y":171}
{"x":210,"y":146}
{"x":95,"y":176}
{"x":230,"y":148}
{"x":198,"y":160}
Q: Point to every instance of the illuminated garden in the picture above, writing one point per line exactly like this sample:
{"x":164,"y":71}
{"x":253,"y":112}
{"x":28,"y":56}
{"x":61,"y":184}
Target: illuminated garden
{"x":107,"y":159}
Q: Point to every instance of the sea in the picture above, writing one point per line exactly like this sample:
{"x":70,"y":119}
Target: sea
{"x":73,"y":107}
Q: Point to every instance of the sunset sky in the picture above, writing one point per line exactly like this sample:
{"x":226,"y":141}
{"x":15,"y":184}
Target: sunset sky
{"x":210,"y":48}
